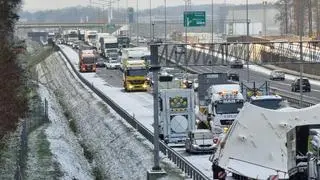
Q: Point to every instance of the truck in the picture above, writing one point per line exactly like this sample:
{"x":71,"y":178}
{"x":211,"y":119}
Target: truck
{"x":136,"y":53}
{"x":87,"y":60}
{"x":219,"y":100}
{"x":51,"y":37}
{"x":124,"y":42}
{"x":81,"y":33}
{"x":71,"y":36}
{"x":177,"y":115}
{"x":109,"y":47}
{"x":90,"y":37}
{"x":100,"y":36}
{"x":135,"y":76}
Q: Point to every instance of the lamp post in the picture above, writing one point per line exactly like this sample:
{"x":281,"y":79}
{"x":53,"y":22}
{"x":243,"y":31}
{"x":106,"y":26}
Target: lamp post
{"x":212,"y":34}
{"x":137,"y":23}
{"x":247,"y":17}
{"x":151,"y":24}
{"x":165,"y":21}
{"x":264,"y":18}
{"x":301,"y":53}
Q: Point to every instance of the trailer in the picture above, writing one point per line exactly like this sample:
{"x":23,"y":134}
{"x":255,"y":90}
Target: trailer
{"x":177,"y":117}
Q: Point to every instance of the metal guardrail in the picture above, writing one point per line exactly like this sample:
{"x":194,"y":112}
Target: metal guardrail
{"x":174,"y":156}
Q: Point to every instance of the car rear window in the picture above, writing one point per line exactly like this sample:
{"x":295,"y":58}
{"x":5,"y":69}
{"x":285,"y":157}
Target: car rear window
{"x":304,"y":81}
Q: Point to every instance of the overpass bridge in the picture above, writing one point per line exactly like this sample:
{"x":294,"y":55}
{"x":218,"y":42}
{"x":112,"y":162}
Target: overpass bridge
{"x":21,"y":25}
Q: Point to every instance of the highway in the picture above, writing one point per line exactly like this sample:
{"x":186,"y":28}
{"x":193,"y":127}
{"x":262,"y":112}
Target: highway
{"x":114,"y":78}
{"x":284,"y":86}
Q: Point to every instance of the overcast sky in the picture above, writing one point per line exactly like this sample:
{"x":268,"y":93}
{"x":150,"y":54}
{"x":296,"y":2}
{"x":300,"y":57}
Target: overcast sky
{"x":32,"y":5}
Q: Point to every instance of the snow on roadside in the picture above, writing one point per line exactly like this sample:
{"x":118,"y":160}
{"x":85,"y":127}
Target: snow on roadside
{"x":115,"y":149}
{"x":63,"y":144}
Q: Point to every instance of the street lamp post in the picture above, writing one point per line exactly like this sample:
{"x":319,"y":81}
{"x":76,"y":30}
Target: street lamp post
{"x":150,"y":13}
{"x":165,"y":21}
{"x":301,"y":53}
{"x":247,"y":17}
{"x":264,"y":18}
{"x":137,"y":23}
{"x":212,"y":35}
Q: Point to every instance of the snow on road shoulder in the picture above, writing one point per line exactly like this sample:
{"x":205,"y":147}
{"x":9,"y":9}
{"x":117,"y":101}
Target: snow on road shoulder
{"x":63,"y":143}
{"x":113,"y":147}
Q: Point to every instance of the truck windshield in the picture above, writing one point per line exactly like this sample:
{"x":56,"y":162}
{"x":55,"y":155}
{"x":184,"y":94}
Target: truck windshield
{"x":88,"y":60}
{"x":137,"y":72}
{"x":123,"y":40}
{"x":268,"y":103}
{"x":228,"y":108}
{"x":92,"y":36}
{"x":73,"y":35}
{"x":112,"y":51}
{"x":111,"y":45}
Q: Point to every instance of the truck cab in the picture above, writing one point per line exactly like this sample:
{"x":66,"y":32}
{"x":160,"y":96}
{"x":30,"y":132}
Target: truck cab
{"x":87,"y":61}
{"x":135,"y":76}
{"x":225,"y":104}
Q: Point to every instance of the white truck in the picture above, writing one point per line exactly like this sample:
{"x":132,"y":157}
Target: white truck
{"x":219,"y":101}
{"x":100,"y":37}
{"x":225,"y":103}
{"x":177,"y":117}
{"x":109,"y":46}
{"x":90,"y":37}
{"x":136,"y":53}
{"x":71,"y":36}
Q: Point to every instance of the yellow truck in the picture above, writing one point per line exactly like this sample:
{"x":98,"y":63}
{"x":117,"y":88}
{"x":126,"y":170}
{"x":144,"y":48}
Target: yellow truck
{"x":135,"y":75}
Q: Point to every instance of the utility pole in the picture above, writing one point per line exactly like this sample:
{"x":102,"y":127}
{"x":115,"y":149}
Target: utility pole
{"x":212,"y":35}
{"x":165,"y":22}
{"x":247,"y":17}
{"x":286,"y":16}
{"x":137,"y":23}
{"x":301,"y":17}
{"x":264,"y":18}
{"x":151,"y":24}
{"x":310,"y":17}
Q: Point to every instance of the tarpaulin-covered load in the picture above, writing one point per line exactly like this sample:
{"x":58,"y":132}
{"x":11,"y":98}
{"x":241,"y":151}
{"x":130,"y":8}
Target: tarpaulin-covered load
{"x":255,"y":146}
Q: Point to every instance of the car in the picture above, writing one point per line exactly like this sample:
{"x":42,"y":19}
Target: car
{"x":200,"y":141}
{"x":180,"y":49}
{"x":101,"y":62}
{"x":277,"y":75}
{"x":295,"y":85}
{"x":233,"y":76}
{"x":113,"y":64}
{"x":236,"y":64}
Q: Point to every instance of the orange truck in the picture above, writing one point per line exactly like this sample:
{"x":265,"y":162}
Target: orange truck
{"x":87,"y":60}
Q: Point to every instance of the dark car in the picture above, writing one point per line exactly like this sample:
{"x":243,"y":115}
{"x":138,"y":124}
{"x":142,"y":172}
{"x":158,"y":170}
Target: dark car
{"x":233,"y":76}
{"x":100,"y":63}
{"x":295,"y":86}
{"x":236,"y":64}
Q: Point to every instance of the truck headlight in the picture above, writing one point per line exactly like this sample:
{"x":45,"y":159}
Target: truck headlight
{"x":144,"y":86}
{"x":130,"y":86}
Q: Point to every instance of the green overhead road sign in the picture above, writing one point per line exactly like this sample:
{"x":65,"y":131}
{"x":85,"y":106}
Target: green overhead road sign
{"x":194,"y":18}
